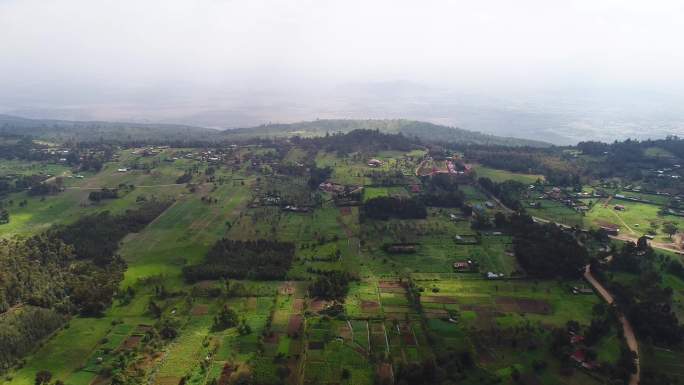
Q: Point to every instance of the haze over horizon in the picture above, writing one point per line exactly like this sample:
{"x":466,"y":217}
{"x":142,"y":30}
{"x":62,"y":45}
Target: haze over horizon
{"x":560,"y":72}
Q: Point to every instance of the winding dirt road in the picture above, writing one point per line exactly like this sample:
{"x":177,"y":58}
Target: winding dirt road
{"x":626,"y":326}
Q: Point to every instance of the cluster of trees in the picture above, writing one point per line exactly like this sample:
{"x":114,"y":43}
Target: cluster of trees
{"x":96,"y":237}
{"x":384,"y":208}
{"x":4,"y":216}
{"x":368,"y":141}
{"x":66,"y":270}
{"x":561,"y":347}
{"x":645,"y":301}
{"x":318,"y":176}
{"x":508,"y":192}
{"x":387,"y":178}
{"x":21,"y":147}
{"x":185,"y":178}
{"x":447,"y":367}
{"x":33,"y":183}
{"x":333,"y":284}
{"x":39,"y":189}
{"x":515,"y":159}
{"x":546,"y":250}
{"x":226,"y":318}
{"x":630,"y":160}
{"x":441,"y":190}
{"x":105,"y":193}
{"x":21,"y":329}
{"x":258,"y":260}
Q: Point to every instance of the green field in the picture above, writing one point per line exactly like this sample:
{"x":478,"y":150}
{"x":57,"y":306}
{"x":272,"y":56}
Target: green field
{"x":503,"y":175}
{"x":636,"y":220}
{"x":401,"y":308}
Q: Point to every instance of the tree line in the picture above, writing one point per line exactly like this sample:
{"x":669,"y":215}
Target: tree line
{"x":257,"y":260}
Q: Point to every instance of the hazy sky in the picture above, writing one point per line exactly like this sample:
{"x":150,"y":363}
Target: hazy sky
{"x":73,"y":52}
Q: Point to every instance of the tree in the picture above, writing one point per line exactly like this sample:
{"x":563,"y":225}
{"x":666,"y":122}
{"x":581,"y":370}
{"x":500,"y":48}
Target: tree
{"x":227,"y":318}
{"x":670,"y":229}
{"x":4,"y":216}
{"x":43,"y":377}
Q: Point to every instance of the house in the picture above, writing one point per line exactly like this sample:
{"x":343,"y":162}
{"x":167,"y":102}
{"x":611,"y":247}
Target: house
{"x":579,"y":356}
{"x":122,"y":170}
{"x":581,"y":290}
{"x":610,"y":230}
{"x":619,"y":207}
{"x":489,"y":205}
{"x":374,"y":163}
{"x":491,"y":275}
{"x":555,"y":193}
{"x":461,"y":266}
{"x":576,"y":339}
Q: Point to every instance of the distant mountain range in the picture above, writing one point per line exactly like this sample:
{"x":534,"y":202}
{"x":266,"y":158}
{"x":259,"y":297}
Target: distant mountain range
{"x":63,"y":130}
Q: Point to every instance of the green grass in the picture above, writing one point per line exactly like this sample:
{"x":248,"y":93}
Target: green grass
{"x":634,"y":221}
{"x":22,"y":167}
{"x":374,"y":192}
{"x":503,"y":175}
{"x":66,"y":352}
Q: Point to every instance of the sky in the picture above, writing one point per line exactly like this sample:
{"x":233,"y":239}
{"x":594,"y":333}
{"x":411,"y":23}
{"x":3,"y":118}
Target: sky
{"x":170,"y":59}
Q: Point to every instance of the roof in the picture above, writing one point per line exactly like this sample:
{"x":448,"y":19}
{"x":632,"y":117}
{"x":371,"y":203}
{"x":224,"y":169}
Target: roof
{"x":576,"y":339}
{"x":578,"y":355}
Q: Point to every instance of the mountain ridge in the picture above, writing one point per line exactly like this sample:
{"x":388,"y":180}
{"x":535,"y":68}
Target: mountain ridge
{"x":64,"y":130}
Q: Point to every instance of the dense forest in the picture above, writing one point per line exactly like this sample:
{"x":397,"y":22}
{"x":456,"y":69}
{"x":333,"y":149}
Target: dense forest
{"x":67,"y":270}
{"x":546,"y":250}
{"x":384,"y":208}
{"x":260,"y":260}
{"x":441,"y":190}
{"x":647,"y":304}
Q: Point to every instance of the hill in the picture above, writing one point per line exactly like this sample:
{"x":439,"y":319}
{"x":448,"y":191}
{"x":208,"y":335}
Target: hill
{"x":87,"y":131}
{"x":425,"y":131}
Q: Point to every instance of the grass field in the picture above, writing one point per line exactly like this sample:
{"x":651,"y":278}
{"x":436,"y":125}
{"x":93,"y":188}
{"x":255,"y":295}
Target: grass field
{"x":293,"y":338}
{"x":503,"y":175}
{"x":635,"y":220}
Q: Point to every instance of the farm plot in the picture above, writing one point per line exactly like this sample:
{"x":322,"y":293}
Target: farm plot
{"x":635,"y":220}
{"x":503,"y":175}
{"x":507,"y":303}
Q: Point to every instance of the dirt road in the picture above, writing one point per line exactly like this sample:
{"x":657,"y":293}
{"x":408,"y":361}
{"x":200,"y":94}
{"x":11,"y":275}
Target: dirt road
{"x":626,"y":326}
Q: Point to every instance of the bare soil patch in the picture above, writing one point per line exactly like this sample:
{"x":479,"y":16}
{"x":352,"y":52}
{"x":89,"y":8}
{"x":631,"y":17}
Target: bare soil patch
{"x":534,"y":306}
{"x":390,"y":284}
{"x":318,"y":304}
{"x":370,"y":306}
{"x":345,"y":332}
{"x":287,"y":288}
{"x":272,"y":338}
{"x":316,"y":345}
{"x":131,"y":342}
{"x":298,"y":304}
{"x":395,"y":290}
{"x":167,"y":380}
{"x":226,"y":372}
{"x":200,"y":309}
{"x":294,"y":325}
{"x":204,"y":285}
{"x":439,"y":299}
{"x":384,"y":372}
{"x":99,"y":380}
{"x":398,"y":309}
{"x":436,"y":313}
